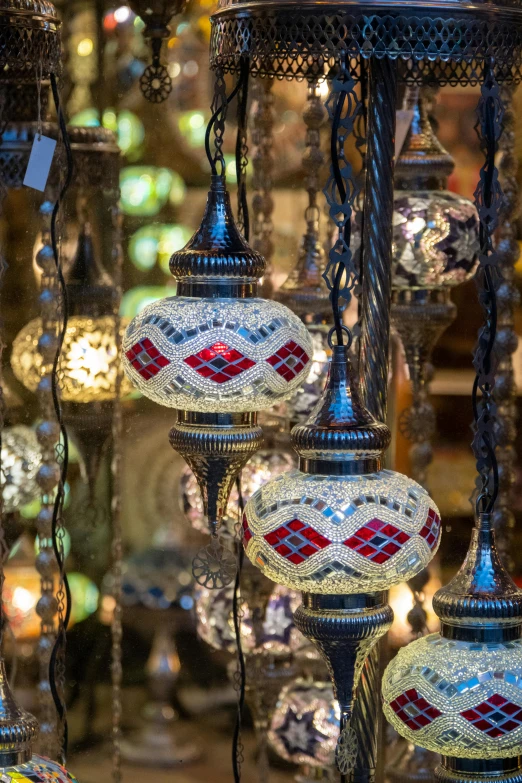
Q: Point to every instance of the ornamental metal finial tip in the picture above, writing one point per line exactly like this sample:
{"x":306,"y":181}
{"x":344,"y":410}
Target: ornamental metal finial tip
{"x":423,"y":162}
{"x":217,"y":253}
{"x":90,"y":289}
{"x":340,"y":428}
{"x":482,"y":591}
{"x":18,"y":728}
{"x":304,"y":290}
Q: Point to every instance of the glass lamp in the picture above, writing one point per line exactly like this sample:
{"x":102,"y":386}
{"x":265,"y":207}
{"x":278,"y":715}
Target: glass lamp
{"x":20,"y":464}
{"x":435,"y":248}
{"x":338,"y":526}
{"x":305,"y":727}
{"x":459,"y":692}
{"x":218,"y":354}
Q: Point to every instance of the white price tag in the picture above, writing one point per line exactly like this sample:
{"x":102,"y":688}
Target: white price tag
{"x":404,"y":118}
{"x":39,"y":164}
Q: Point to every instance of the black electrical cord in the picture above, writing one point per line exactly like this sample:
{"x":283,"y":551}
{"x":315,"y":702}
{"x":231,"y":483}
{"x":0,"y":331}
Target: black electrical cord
{"x":339,"y":183}
{"x":236,"y":761}
{"x":211,"y":124}
{"x":60,"y":494}
{"x":240,"y":149}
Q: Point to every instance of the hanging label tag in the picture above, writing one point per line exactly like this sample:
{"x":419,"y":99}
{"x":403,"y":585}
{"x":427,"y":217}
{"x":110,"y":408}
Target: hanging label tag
{"x":39,"y":164}
{"x":404,"y":118}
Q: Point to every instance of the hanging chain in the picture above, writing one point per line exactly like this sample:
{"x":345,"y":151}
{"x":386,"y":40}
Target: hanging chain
{"x":489,"y":202}
{"x":263,"y":120}
{"x":342,"y":191}
{"x":48,"y":477}
{"x":243,"y":219}
{"x":116,"y":468}
{"x":155,"y":81}
{"x":219,"y":112}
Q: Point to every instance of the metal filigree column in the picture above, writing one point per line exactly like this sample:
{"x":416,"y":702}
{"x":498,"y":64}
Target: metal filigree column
{"x":378,"y":222}
{"x":263,"y":164}
{"x":506,"y":339}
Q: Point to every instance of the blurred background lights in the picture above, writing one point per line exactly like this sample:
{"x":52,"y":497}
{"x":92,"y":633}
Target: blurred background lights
{"x":85,"y":47}
{"x":122,"y":13}
{"x":127,"y":125}
{"x":154,"y":244}
{"x":135,"y":299}
{"x":146,"y":189}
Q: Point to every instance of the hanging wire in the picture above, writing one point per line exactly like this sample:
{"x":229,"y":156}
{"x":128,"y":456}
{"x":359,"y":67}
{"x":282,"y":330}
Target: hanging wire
{"x":237,"y":747}
{"x":64,"y":607}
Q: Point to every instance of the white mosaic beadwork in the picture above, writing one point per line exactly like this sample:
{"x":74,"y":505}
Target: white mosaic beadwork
{"x":347,"y":534}
{"x":180,"y":328}
{"x":473,"y":692}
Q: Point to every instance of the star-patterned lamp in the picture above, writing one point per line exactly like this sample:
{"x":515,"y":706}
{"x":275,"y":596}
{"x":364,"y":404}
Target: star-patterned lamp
{"x":436,"y":246}
{"x":89,"y":360}
{"x":20,"y":464}
{"x":305,"y":727}
{"x":277,"y":635}
{"x":459,"y":693}
{"x":338,"y":526}
{"x":18,"y":731}
{"x":218,"y":354}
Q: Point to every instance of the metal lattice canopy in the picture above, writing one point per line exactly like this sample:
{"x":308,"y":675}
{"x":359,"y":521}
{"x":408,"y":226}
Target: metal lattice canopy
{"x":30,"y":45}
{"x":447,"y":41}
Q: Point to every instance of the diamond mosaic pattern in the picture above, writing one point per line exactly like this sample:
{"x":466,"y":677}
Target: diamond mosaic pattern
{"x":219,"y":362}
{"x":247,"y":533}
{"x":296,"y":541}
{"x":377,"y":541}
{"x":414,"y":710}
{"x":146,"y":359}
{"x":289,"y":360}
{"x":430,"y":531}
{"x":495,"y":717}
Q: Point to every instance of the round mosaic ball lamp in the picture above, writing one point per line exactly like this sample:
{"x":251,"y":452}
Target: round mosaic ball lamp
{"x":342,"y":530}
{"x":304,"y":728}
{"x":218,"y":354}
{"x":435,"y":248}
{"x":18,"y":732}
{"x":459,"y":692}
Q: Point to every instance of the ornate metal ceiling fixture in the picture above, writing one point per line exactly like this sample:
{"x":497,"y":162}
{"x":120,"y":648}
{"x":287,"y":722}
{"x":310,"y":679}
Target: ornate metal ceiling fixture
{"x":155,"y":82}
{"x":457,"y":692}
{"x":436,"y":245}
{"x":30,"y":45}
{"x":217,"y":353}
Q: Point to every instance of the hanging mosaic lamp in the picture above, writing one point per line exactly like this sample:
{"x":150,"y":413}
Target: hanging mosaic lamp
{"x":304,"y":728}
{"x":341,"y":529}
{"x":155,"y":82}
{"x":18,"y":731}
{"x":89,"y":358}
{"x":436,"y":245}
{"x":218,"y":354}
{"x":458,"y":692}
